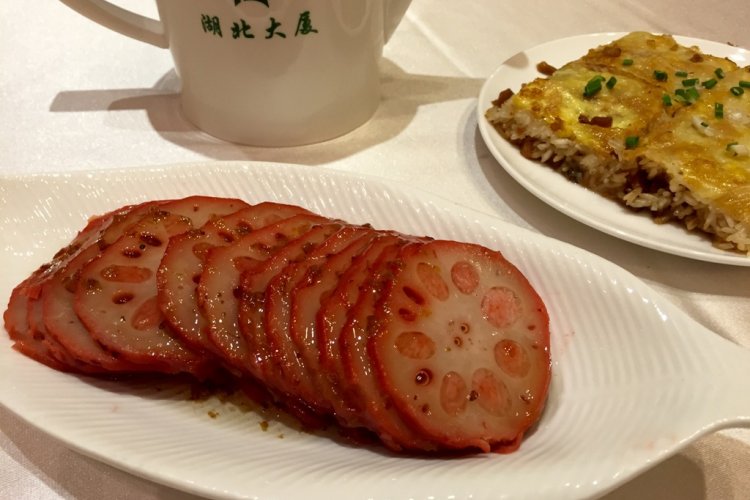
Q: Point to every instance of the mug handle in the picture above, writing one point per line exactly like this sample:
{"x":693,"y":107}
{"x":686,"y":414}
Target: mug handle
{"x":122,"y":21}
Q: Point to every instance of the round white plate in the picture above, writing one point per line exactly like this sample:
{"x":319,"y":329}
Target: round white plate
{"x":634,"y":379}
{"x":570,"y":198}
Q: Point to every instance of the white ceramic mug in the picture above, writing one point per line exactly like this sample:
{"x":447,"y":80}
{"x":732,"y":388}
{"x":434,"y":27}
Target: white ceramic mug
{"x":268,"y":72}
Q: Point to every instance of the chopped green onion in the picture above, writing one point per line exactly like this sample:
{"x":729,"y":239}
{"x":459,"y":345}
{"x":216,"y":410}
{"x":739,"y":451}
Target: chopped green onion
{"x":690,"y":82}
{"x":611,"y":82}
{"x":631,"y":141}
{"x":687,"y":96}
{"x":730,"y":145}
{"x":627,"y":62}
{"x":593,"y":86}
{"x":709,"y":84}
{"x":719,"y":73}
{"x":666,"y":100}
{"x":681,"y":74}
{"x":661,"y":75}
{"x":719,"y":110}
{"x":738,"y":91}
{"x":745,"y":84}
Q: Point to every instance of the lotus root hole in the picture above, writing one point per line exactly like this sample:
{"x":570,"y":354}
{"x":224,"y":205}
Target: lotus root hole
{"x":201,"y":250}
{"x":494,"y":397}
{"x":147,"y":315}
{"x":512,"y":358}
{"x":407,"y":314}
{"x":453,"y":393}
{"x":226,"y":236}
{"x":126,"y":274}
{"x":150,"y":239}
{"x":415,"y":345}
{"x":122,"y":298}
{"x":465,"y":277}
{"x":457,"y":328}
{"x":432,"y":281}
{"x":413,"y":295}
{"x":243,"y":227}
{"x":501,"y":307}
{"x":423,"y":377}
{"x":132,"y":253}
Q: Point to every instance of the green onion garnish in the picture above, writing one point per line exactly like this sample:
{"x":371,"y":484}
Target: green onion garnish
{"x":738,"y":91}
{"x":709,"y":84}
{"x":729,"y":146}
{"x":687,"y":96}
{"x":631,"y":141}
{"x":745,"y":84}
{"x":690,"y":82}
{"x":660,"y":75}
{"x":719,"y":73}
{"x":611,"y":82}
{"x":666,"y":100}
{"x":681,"y":74}
{"x":627,"y":62}
{"x":719,"y":110}
{"x":593,"y":86}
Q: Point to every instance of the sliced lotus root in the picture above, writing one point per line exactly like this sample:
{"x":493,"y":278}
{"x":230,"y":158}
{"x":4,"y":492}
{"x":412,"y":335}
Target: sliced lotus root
{"x":15,"y":316}
{"x":274,"y":359}
{"x":277,"y":316}
{"x":183,"y":262}
{"x":306,"y":299}
{"x":460,"y":343}
{"x":25,"y":340}
{"x":58,"y":295}
{"x":219,"y":284}
{"x":332,"y":317}
{"x":360,"y":384}
{"x":61,"y":321}
{"x":25,"y":299}
{"x":117,"y":297}
{"x":429,"y":344}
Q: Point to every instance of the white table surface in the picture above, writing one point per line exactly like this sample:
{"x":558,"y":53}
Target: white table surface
{"x":75,"y":96}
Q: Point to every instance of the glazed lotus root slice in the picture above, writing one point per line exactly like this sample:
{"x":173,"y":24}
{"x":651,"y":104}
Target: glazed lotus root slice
{"x":183,"y":262}
{"x":330,"y":320}
{"x":360,"y":382}
{"x":62,"y":323}
{"x":16,"y":315}
{"x":305,"y":300}
{"x":274,"y":360}
{"x":461,"y":345}
{"x":25,"y":340}
{"x":35,"y":340}
{"x":117,"y":297}
{"x":58,"y":295}
{"x":219,"y":284}
{"x":278,"y":317}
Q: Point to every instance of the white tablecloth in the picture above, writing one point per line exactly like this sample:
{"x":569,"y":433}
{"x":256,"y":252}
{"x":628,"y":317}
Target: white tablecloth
{"x":76,"y":96}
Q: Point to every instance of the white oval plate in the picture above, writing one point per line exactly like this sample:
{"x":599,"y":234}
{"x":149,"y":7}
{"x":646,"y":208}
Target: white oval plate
{"x":570,"y":198}
{"x":634,"y":379}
